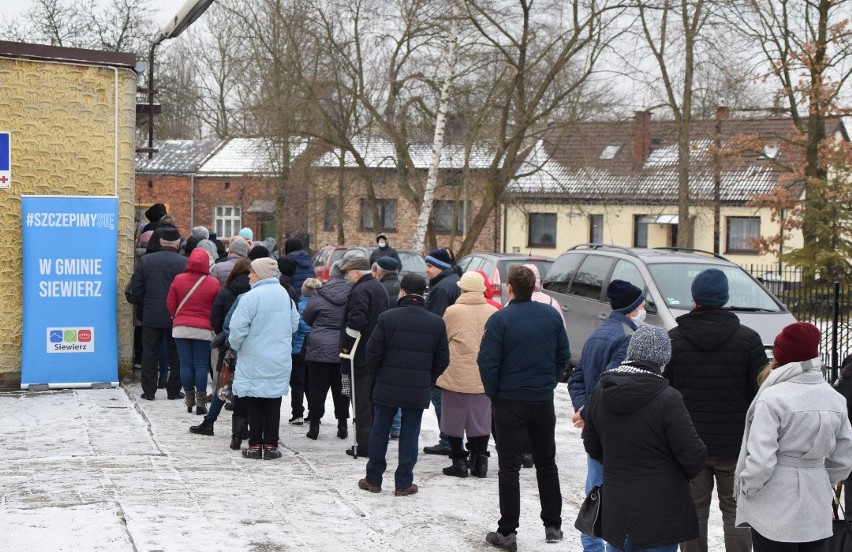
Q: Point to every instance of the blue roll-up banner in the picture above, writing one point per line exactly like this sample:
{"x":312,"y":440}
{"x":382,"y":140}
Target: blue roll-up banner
{"x":70,"y":333}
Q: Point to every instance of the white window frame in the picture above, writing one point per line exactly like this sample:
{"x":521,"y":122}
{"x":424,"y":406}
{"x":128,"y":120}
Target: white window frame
{"x":227,"y":220}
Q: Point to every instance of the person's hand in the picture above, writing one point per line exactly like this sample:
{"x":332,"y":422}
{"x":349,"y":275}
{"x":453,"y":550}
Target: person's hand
{"x":577,"y":420}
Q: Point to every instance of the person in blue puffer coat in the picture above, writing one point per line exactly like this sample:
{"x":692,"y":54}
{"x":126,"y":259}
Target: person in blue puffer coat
{"x":299,"y":374}
{"x":294,"y":251}
{"x":261,"y":333}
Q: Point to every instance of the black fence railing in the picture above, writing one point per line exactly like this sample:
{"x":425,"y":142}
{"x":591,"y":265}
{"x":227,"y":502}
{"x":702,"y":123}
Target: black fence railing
{"x":827,"y":305}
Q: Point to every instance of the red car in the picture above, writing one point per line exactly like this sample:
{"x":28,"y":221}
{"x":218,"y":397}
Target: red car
{"x":325,"y":257}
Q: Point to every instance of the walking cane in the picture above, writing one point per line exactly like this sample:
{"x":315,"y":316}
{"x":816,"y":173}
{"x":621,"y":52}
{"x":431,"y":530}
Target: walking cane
{"x":350,"y":356}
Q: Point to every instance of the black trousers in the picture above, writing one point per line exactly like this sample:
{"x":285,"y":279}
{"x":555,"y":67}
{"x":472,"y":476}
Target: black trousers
{"x":363,"y":385}
{"x":264,"y":417}
{"x":152,"y":338}
{"x":298,"y":386}
{"x":323,"y":376}
{"x":762,"y":544}
{"x":515,"y":422}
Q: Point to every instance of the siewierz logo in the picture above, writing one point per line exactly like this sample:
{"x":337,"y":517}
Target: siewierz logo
{"x":70,"y":340}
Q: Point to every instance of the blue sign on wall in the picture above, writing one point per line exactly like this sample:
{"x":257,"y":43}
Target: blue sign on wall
{"x":70,"y":333}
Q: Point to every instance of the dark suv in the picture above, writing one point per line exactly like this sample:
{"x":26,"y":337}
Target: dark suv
{"x":579,"y":277}
{"x":496,"y":267}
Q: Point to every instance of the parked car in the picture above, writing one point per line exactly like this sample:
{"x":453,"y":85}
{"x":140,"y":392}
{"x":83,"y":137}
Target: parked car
{"x":324,"y":258}
{"x":579,"y":278}
{"x":496,"y":267}
{"x":411,"y":260}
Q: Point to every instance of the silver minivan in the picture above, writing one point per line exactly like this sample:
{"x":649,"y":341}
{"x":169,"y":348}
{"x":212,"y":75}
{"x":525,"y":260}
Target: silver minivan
{"x":579,"y":277}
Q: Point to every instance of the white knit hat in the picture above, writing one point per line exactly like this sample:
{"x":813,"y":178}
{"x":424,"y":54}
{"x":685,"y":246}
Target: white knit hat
{"x":265,"y":267}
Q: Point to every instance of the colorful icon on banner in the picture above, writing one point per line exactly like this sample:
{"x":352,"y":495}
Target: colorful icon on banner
{"x":70,"y":340}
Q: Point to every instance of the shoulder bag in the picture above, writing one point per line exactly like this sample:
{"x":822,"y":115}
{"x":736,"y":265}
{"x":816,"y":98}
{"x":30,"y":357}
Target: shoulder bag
{"x":589,"y":517}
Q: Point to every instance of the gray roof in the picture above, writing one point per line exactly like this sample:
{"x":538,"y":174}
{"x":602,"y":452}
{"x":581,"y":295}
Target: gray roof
{"x":176,"y":156}
{"x":260,"y":156}
{"x":380,"y":153}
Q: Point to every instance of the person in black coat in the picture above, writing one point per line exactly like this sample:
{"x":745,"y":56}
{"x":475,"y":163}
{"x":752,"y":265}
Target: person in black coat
{"x":384,"y":249}
{"x":715,"y":363}
{"x":304,"y":267}
{"x":443,"y":292}
{"x":149,"y":287}
{"x":407,"y":351}
{"x":640,"y":430}
{"x":386,"y":271}
{"x":366,"y":301}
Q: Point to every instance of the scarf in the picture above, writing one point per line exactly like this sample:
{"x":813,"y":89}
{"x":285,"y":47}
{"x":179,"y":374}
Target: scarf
{"x":776,"y":376}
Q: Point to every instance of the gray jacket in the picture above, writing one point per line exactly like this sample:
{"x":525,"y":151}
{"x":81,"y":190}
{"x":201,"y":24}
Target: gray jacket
{"x":797,"y":444}
{"x":324,"y":314}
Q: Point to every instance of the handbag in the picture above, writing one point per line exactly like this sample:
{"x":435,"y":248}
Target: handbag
{"x":225,"y":392}
{"x":841,"y":529}
{"x":589,"y":517}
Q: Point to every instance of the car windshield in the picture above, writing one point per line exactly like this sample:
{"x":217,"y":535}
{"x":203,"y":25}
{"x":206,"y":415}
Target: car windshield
{"x":412,"y":262}
{"x":337,"y":254}
{"x":674,"y":281}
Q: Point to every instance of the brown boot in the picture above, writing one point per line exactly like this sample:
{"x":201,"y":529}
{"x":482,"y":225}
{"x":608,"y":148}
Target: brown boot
{"x":189,"y":400}
{"x":200,"y":402}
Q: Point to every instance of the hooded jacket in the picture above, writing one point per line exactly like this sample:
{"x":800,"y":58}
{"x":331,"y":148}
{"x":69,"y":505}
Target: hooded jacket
{"x":261,"y":332}
{"x":150,"y":284}
{"x":407,"y":351}
{"x":489,"y":291}
{"x":639,"y":429}
{"x":366,"y":301}
{"x":715,"y":362}
{"x":797,"y":444}
{"x":304,"y":269}
{"x":195,"y":312}
{"x":324,"y":314}
{"x":465,"y":322}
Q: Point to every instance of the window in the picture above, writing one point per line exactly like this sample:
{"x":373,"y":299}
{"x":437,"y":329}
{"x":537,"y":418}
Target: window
{"x":590,"y":277}
{"x":562,"y":272}
{"x":227,"y":220}
{"x":610,"y":151}
{"x":743,"y":233}
{"x":330,"y":220}
{"x":627,"y":271}
{"x":387,"y":214}
{"x":596,"y":228}
{"x":452,"y":178}
{"x":640,"y":232}
{"x":447,"y":216}
{"x":542,"y":230}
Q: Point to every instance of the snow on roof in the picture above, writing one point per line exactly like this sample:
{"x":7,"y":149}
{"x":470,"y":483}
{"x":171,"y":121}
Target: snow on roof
{"x":250,"y":156}
{"x":541,"y":174}
{"x":380,"y":153}
{"x":176,"y":156}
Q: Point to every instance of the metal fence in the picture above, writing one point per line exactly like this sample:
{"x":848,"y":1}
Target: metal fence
{"x":827,"y":305}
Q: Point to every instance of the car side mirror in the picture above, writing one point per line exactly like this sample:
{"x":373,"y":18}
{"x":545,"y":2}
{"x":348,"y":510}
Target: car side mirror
{"x":650,"y":307}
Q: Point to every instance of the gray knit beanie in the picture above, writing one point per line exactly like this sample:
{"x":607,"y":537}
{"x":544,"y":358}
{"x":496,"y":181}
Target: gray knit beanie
{"x":650,"y":344}
{"x":210,"y":247}
{"x":201,"y":232}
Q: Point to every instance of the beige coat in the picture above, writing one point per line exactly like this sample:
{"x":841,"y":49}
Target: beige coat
{"x":465,"y":322}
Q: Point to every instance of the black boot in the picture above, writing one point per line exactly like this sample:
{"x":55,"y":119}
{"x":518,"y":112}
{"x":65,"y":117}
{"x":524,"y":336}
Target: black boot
{"x":479,"y":463}
{"x":313,"y":432}
{"x":459,"y":467}
{"x":343,"y":428}
{"x":238,"y":425}
{"x":162,"y":382}
{"x":204,"y":428}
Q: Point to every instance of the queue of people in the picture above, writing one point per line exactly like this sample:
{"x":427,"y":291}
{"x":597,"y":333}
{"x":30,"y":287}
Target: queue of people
{"x":666,"y":417}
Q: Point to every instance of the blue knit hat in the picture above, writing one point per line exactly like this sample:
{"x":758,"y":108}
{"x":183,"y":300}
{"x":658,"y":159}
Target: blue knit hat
{"x":710,"y":288}
{"x":623,"y":296}
{"x":439,"y":258}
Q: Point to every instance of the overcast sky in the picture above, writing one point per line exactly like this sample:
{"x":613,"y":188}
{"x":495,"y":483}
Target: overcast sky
{"x":166,"y":8}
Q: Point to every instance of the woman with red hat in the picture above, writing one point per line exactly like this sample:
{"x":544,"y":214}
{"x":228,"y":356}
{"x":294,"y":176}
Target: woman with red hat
{"x":797,"y":444}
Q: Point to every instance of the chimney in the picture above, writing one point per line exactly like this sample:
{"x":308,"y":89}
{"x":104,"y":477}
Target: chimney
{"x":641,"y":137}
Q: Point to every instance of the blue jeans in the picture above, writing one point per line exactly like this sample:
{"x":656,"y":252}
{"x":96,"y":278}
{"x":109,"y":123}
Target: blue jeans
{"x":194,"y":357}
{"x":397,"y":422}
{"x":408,"y":444}
{"x":628,"y":547}
{"x":163,"y":359}
{"x":594,"y":477}
{"x":436,"y":403}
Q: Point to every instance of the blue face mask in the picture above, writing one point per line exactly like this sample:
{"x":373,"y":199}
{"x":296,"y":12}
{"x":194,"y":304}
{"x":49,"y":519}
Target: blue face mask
{"x":383,"y":244}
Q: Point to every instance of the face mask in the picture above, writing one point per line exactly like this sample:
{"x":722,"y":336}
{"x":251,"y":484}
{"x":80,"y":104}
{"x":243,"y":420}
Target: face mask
{"x":639,"y":319}
{"x":383,"y":244}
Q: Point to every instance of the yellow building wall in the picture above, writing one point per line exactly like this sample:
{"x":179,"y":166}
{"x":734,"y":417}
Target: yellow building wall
{"x":574,"y":226}
{"x":64,"y":131}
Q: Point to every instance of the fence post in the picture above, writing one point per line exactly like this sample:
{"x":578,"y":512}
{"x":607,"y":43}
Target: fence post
{"x":834,"y":325}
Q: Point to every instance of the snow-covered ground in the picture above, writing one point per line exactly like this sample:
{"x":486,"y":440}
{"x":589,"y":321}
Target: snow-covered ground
{"x":102,"y":470}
